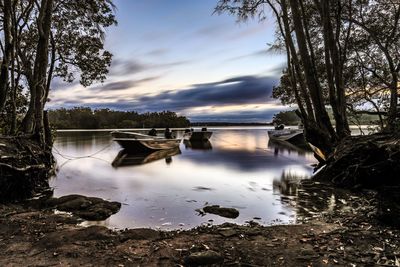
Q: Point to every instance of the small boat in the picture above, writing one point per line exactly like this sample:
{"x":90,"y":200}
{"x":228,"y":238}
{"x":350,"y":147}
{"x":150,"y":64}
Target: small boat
{"x":202,"y":135}
{"x":136,"y":142}
{"x":288,"y":135}
{"x":126,"y":158}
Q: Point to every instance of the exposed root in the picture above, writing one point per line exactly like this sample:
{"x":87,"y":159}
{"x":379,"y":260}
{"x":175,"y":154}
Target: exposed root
{"x":24,"y":168}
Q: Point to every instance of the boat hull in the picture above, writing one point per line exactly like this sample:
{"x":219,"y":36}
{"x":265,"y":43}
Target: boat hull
{"x":134,"y":145}
{"x":286,"y":135}
{"x":198,"y":136}
{"x":134,"y":135}
{"x":137,"y":142}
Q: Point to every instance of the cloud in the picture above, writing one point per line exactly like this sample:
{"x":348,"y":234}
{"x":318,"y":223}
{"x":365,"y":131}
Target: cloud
{"x":211,"y":31}
{"x":122,"y":85}
{"x":234,"y":91}
{"x":157,"y":52}
{"x":277,"y":70}
{"x":216,"y":101}
{"x":246,"y":33}
{"x":248,"y":116}
{"x":258,"y":53}
{"x":59,"y":84}
{"x":120,"y":67}
{"x":123,"y":67}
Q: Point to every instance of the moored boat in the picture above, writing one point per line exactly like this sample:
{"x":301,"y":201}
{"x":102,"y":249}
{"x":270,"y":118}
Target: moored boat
{"x":198,"y":136}
{"x":136,"y":142}
{"x":288,"y":135}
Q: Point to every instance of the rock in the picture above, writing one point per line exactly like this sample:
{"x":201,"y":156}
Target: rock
{"x":221,"y":211}
{"x":60,"y":238}
{"x":227,"y":232}
{"x":88,"y":208}
{"x":140,"y":234}
{"x":203,"y":258}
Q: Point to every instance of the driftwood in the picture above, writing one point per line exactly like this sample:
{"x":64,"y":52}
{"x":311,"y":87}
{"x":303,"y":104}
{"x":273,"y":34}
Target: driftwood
{"x":24,"y":168}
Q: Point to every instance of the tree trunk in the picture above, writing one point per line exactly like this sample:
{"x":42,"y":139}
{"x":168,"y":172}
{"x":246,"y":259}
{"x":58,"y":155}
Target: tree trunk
{"x":323,"y":122}
{"x":28,"y":123}
{"x":5,"y":64}
{"x":334,"y":71}
{"x":296,"y":62}
{"x":40,"y":68}
{"x":393,"y":108}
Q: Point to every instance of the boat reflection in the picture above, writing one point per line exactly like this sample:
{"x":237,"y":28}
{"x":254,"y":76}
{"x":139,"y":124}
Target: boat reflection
{"x":197,"y":145}
{"x":126,"y":158}
{"x":283,"y":146}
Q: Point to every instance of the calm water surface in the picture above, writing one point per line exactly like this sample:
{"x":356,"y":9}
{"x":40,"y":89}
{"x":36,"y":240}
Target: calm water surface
{"x":239,"y":168}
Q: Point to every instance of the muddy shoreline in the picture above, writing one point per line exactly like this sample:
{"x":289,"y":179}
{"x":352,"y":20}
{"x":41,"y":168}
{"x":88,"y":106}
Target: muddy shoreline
{"x":31,"y":235}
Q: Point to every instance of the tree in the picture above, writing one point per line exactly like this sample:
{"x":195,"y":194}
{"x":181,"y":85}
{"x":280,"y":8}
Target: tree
{"x":6,"y":51}
{"x":323,"y":41}
{"x":377,"y":42}
{"x":52,"y":39}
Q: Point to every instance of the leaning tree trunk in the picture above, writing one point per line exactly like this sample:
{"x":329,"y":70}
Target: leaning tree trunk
{"x":40,"y":68}
{"x":27,"y":124}
{"x":296,"y":63}
{"x":323,"y":132}
{"x":334,"y":70}
{"x":5,"y":64}
{"x":393,"y":113}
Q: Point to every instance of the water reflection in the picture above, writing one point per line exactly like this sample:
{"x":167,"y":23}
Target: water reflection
{"x":311,"y":199}
{"x":239,"y":172}
{"x":200,"y":145}
{"x":125,"y":158}
{"x":286,"y":147}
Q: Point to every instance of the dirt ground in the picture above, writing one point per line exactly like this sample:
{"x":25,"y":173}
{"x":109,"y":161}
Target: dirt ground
{"x":35,"y":237}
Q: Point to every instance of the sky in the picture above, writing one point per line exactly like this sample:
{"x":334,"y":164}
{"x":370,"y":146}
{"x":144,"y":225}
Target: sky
{"x":177,"y":55}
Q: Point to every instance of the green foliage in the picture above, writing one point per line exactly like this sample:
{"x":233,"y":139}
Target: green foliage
{"x":86,"y":118}
{"x":6,"y":116}
{"x":290,"y":118}
{"x":284,"y":91}
{"x":287,"y":118}
{"x":78,"y":38}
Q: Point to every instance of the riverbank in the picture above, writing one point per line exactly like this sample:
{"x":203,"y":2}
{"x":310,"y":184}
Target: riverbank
{"x":352,"y":234}
{"x":25,"y":167}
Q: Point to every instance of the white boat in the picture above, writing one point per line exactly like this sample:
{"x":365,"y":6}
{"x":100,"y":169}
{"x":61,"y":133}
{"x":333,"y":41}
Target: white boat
{"x":288,"y":135}
{"x":137,"y":142}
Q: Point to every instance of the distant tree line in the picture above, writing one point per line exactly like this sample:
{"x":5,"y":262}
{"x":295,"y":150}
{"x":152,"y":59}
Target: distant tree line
{"x":86,"y":118}
{"x":214,"y":123}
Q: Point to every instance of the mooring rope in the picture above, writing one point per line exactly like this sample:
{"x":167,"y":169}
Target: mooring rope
{"x":71,"y":158}
{"x":80,"y":157}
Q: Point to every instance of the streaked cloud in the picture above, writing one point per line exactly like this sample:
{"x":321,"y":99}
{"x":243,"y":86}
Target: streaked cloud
{"x":245,"y":97}
{"x":122,"y":85}
{"x":166,"y":55}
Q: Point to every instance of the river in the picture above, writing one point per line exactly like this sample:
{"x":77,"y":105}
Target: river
{"x":239,"y":168}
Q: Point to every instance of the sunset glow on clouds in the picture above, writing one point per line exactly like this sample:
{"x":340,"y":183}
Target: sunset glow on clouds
{"x":176,"y":55}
